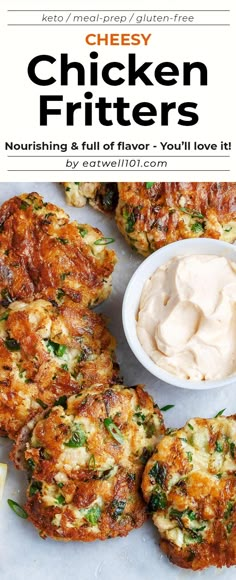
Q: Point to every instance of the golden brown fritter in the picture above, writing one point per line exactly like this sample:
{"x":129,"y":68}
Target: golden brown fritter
{"x":190,"y":487}
{"x":150,"y":215}
{"x":86,"y":458}
{"x":44,"y":255}
{"x":101,"y":196}
{"x":47,"y":351}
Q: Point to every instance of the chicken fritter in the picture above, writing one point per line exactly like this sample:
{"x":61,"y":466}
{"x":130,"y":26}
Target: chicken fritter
{"x":47,"y":351}
{"x":44,"y":255}
{"x":190,"y":487}
{"x":102,"y":196}
{"x":151,"y":215}
{"x":85,"y":459}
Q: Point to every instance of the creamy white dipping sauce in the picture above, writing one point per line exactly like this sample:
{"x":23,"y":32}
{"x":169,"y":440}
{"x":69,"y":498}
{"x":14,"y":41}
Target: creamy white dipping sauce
{"x":187,"y":317}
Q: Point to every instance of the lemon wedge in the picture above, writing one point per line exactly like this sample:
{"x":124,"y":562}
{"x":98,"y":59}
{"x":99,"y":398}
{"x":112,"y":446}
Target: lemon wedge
{"x":3,"y":474}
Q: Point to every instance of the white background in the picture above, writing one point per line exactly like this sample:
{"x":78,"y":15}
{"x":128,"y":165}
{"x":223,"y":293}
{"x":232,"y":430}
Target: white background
{"x":19,"y":97}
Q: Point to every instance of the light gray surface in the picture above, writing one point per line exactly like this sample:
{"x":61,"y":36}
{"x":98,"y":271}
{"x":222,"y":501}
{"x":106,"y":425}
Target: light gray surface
{"x":22,"y":552}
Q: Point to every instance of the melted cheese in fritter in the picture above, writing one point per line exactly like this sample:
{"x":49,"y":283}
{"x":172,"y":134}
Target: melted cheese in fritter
{"x":190,"y":486}
{"x":77,"y":194}
{"x":86,"y":459}
{"x":48,"y":351}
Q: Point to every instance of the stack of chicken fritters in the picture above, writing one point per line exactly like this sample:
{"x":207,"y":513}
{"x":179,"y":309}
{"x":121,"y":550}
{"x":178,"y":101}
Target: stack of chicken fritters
{"x":88,"y":442}
{"x":51,"y":344}
{"x":90,"y":446}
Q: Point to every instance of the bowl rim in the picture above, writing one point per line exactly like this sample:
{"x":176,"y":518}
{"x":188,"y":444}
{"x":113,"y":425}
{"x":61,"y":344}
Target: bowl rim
{"x":135,"y":287}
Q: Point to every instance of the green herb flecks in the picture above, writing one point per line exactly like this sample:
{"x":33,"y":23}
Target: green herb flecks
{"x":60,"y":500}
{"x":104,"y":241}
{"x":65,"y":367}
{"x":55,"y":348}
{"x":64,"y":275}
{"x":219,"y":447}
{"x":139,"y":417}
{"x":229,"y":509}
{"x":78,"y":438}
{"x":60,"y":293}
{"x":24,"y":205}
{"x":41,"y":403}
{"x":229,"y":527}
{"x":177,"y":514}
{"x":61,"y":402}
{"x":35,"y":487}
{"x":232,"y":449}
{"x":12,"y":344}
{"x":170,"y":432}
{"x":197,"y":228}
{"x":193,"y":537}
{"x":149,"y":428}
{"x":117,"y":508}
{"x":166,"y":408}
{"x":158,"y":501}
{"x":114,"y":430}
{"x":83,"y":232}
{"x":157,"y":473}
{"x":63,"y":241}
{"x":93,"y":515}
{"x":146,"y":421}
{"x":130,"y":220}
{"x":4,"y":316}
{"x":30,"y":464}
{"x":220,"y":413}
{"x":15,"y":507}
{"x":108,"y":200}
{"x":192,"y":213}
{"x":92,"y":462}
{"x":146,"y":453}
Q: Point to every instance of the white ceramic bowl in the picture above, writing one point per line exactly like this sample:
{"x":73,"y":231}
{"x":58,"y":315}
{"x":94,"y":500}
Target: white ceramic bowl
{"x":133,"y":294}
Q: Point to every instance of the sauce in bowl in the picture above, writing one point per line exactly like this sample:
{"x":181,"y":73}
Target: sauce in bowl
{"x":187,"y":317}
